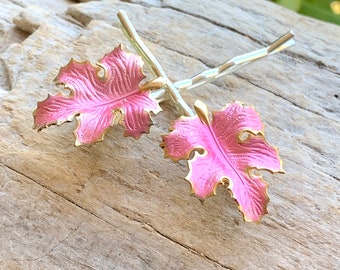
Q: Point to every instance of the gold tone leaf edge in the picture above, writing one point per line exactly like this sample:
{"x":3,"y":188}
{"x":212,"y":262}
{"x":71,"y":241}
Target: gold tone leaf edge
{"x":98,"y":67}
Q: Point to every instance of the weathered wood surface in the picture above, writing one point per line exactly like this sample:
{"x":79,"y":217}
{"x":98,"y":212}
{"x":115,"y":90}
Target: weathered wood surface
{"x":119,"y":204}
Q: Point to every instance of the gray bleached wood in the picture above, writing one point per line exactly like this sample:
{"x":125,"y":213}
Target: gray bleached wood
{"x":119,"y":204}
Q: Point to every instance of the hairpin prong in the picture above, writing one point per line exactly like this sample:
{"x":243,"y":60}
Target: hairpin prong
{"x":139,"y":45}
{"x":153,"y":64}
{"x":229,"y":66}
{"x":237,"y":62}
{"x":204,"y":77}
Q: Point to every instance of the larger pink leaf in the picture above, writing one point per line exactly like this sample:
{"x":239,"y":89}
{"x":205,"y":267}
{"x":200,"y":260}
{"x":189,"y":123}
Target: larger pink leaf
{"x":96,"y":100}
{"x":228,"y":149}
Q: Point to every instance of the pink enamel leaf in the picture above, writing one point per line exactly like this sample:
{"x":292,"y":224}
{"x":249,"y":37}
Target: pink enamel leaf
{"x":227,"y":150}
{"x":97,"y":101}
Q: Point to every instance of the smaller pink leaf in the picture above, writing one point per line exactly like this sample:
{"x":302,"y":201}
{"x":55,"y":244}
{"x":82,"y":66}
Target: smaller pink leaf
{"x":97,"y":100}
{"x":223,"y":155}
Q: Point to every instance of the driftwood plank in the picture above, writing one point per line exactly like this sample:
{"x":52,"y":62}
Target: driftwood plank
{"x":43,"y":230}
{"x":118,"y":204}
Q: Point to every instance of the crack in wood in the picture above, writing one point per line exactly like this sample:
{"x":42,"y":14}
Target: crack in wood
{"x":54,"y":192}
{"x":284,"y":98}
{"x":88,"y":266}
{"x":288,"y":53}
{"x":320,"y":64}
{"x":129,"y":217}
{"x":245,"y":79}
{"x":5,"y":79}
{"x":153,"y":228}
{"x":334,"y":177}
{"x":54,"y":247}
{"x":133,"y":216}
{"x":231,"y":29}
{"x":193,"y":251}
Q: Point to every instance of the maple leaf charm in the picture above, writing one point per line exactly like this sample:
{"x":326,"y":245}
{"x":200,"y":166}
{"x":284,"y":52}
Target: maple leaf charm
{"x":99,"y":101}
{"x":228,"y":149}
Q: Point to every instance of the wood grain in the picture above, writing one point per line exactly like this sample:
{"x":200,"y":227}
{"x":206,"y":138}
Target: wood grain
{"x":119,"y":204}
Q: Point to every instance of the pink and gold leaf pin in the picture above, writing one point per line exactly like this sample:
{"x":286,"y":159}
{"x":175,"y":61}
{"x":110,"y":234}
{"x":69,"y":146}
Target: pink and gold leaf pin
{"x":97,"y":100}
{"x":226,"y":150}
{"x":230,"y":148}
{"x":118,"y":96}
